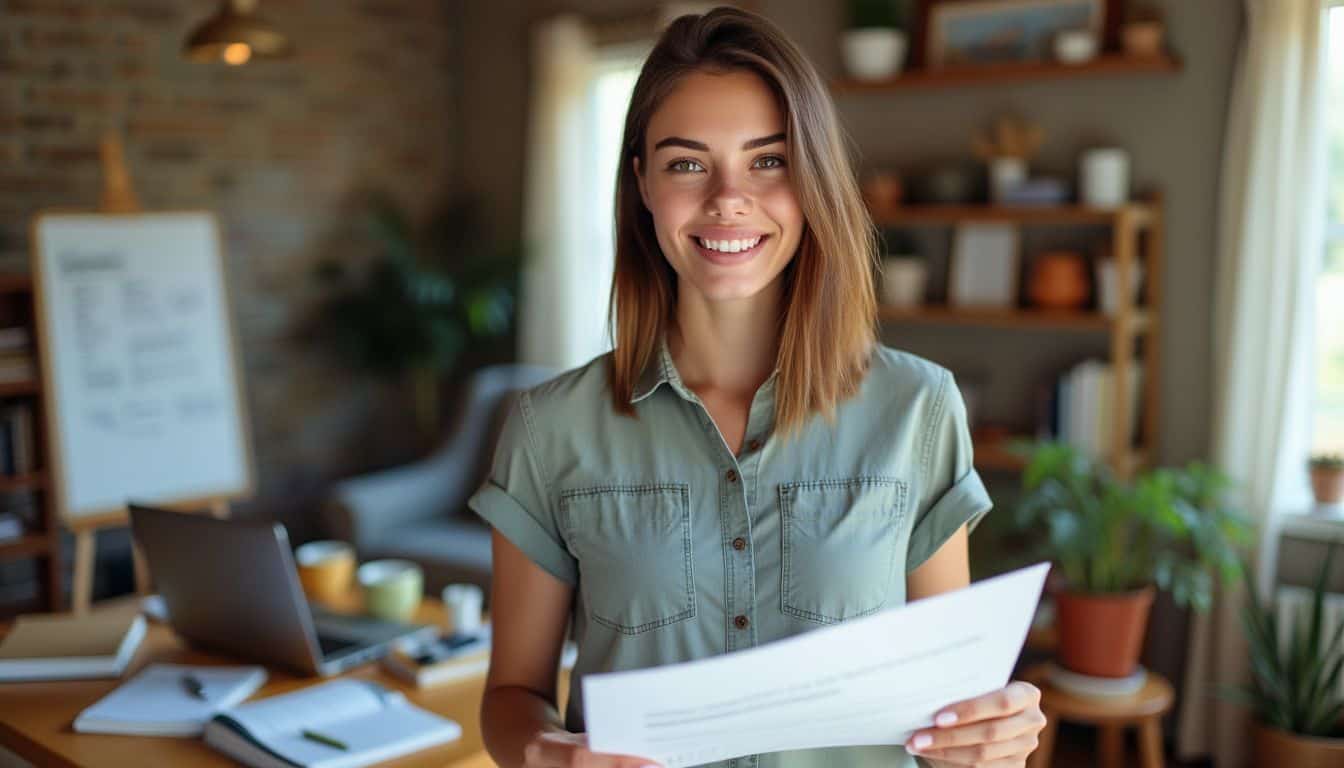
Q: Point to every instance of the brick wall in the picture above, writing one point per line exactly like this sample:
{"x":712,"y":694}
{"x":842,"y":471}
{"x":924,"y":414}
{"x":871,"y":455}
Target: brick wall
{"x":280,"y":150}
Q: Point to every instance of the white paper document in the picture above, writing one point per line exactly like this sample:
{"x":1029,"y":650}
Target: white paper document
{"x":872,"y":680}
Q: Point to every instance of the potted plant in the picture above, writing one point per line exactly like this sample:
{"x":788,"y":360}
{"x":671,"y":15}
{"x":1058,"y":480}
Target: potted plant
{"x":875,"y":42}
{"x":1294,"y":694}
{"x":1114,"y":543}
{"x":1327,"y":477}
{"x":427,"y":294}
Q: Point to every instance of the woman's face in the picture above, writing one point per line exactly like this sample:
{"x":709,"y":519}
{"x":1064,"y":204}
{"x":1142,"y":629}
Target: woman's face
{"x":717,"y":185}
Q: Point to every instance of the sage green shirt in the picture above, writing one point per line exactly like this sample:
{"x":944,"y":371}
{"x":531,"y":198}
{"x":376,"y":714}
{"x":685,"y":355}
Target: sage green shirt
{"x":679,"y":550}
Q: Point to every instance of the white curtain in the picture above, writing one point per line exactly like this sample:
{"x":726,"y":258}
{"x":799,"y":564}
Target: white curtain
{"x":1271,"y":216}
{"x":558,"y":297}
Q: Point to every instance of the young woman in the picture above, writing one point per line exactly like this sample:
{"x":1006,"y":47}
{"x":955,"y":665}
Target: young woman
{"x":748,"y":463}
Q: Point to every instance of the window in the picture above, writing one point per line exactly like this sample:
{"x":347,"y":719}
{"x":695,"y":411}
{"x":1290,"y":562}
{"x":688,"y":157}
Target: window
{"x":1328,"y":419}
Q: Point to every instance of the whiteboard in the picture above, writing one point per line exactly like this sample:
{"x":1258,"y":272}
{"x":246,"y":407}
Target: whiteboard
{"x":138,"y":356}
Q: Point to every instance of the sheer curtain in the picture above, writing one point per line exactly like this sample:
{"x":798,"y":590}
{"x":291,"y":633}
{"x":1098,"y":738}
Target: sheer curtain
{"x":1271,"y":216}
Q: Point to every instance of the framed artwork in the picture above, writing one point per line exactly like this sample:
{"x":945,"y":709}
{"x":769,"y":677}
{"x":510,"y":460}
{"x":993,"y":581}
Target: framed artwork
{"x":984,"y":32}
{"x":983,"y":273}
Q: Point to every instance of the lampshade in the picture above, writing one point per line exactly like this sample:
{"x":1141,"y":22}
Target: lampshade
{"x":235,"y":35}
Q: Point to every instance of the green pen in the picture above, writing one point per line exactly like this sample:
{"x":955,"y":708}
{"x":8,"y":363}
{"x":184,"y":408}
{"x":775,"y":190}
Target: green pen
{"x":321,"y":739}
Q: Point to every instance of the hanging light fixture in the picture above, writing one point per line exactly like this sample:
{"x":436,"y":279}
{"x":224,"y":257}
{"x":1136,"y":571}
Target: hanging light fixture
{"x":235,"y":35}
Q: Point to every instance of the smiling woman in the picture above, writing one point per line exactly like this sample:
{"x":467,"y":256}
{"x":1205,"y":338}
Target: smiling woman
{"x":748,"y":463}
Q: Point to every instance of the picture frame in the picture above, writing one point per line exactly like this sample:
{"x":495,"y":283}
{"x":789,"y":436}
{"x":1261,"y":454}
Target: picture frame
{"x":983,"y":273}
{"x":969,"y":33}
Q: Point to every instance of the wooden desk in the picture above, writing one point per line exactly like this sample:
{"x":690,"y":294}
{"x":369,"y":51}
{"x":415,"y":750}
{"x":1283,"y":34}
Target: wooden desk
{"x":36,"y":718}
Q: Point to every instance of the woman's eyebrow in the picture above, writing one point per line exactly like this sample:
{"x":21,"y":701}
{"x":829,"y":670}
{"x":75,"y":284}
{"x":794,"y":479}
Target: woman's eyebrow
{"x":677,"y":141}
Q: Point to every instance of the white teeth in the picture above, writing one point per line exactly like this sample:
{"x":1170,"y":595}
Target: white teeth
{"x":729,"y":246}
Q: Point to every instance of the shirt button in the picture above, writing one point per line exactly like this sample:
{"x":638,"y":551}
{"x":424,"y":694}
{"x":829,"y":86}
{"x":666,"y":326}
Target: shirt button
{"x":732,"y":476}
{"x":740,"y":622}
{"x":754,"y":445}
{"x":739,"y":543}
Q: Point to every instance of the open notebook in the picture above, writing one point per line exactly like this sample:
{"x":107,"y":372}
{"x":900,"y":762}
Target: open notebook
{"x":368,"y":723}
{"x":159,"y":702}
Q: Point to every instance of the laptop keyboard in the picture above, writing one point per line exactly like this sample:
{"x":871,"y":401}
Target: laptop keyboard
{"x":333,"y":645}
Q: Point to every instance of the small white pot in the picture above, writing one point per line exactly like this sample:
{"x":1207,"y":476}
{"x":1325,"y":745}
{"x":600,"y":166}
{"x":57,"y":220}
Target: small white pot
{"x":874,"y":53}
{"x":1005,"y":173}
{"x":903,"y":281}
{"x":1104,"y":177}
{"x":1108,"y":284}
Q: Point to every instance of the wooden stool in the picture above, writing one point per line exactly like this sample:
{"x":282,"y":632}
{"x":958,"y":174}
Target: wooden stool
{"x":1143,"y":710}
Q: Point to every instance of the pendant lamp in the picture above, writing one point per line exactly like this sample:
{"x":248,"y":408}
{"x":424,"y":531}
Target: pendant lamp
{"x":235,"y":35}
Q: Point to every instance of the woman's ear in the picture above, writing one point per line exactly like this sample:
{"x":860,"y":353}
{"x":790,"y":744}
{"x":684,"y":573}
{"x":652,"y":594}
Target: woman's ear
{"x":639,"y":181}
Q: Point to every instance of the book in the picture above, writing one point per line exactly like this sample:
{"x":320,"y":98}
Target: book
{"x":442,"y":660}
{"x":68,"y":647}
{"x":11,"y":526}
{"x":345,"y":723}
{"x":161,"y":700}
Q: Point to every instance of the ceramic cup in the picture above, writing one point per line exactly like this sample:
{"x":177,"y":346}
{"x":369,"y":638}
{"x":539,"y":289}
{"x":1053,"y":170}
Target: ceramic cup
{"x":392,"y":588}
{"x":325,"y":569}
{"x":462,"y":604}
{"x":903,"y":281}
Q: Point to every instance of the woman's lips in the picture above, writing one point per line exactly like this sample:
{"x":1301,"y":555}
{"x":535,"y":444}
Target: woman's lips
{"x":724,"y":257}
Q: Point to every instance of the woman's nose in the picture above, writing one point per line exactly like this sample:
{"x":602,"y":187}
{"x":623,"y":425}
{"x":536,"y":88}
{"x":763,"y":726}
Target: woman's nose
{"x":728,"y":199}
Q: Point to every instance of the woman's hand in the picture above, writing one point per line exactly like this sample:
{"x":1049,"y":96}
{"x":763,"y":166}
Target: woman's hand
{"x":551,"y":749}
{"x":997,"y":730}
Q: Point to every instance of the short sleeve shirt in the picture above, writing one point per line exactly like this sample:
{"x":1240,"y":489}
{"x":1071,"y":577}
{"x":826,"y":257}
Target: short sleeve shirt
{"x":680,"y":550}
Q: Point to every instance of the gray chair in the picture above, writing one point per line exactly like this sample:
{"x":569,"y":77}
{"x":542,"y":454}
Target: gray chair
{"x":418,"y":511}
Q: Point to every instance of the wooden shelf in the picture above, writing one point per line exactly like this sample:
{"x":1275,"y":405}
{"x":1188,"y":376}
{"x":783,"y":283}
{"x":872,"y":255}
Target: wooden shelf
{"x":16,"y":282}
{"x":19,"y":388}
{"x":999,"y":74}
{"x":1007,"y":318}
{"x":23,"y":482}
{"x":28,"y":545}
{"x":942,"y":215}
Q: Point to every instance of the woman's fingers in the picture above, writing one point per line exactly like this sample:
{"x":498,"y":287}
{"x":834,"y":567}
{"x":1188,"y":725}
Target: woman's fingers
{"x":986,"y":753}
{"x":570,"y":750}
{"x":1001,"y":729}
{"x":1008,"y":700}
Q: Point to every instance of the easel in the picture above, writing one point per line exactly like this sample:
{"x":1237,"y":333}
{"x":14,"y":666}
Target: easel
{"x":118,"y":198}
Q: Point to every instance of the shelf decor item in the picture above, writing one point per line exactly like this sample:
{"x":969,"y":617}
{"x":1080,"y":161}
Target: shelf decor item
{"x":1327,"y":477}
{"x":984,"y":266}
{"x":1059,"y":281}
{"x":903,"y":281}
{"x":1007,"y":150}
{"x":988,"y":32}
{"x":1144,"y":33}
{"x":1104,"y":177}
{"x":1116,"y":542}
{"x":875,"y":43}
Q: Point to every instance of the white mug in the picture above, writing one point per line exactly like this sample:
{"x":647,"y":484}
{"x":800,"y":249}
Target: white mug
{"x":1105,"y":177}
{"x":462,"y":603}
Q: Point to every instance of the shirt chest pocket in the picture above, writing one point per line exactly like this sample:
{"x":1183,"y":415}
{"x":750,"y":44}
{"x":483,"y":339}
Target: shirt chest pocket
{"x":633,"y":544}
{"x":841,"y":546}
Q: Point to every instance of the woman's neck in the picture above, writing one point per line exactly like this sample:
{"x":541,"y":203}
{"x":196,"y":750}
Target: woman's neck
{"x":727,"y":347}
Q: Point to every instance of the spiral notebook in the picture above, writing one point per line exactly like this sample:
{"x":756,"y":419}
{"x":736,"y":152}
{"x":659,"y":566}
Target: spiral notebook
{"x":170,"y":700}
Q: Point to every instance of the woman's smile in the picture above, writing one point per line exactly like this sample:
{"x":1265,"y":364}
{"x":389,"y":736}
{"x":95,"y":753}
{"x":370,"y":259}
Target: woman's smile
{"x":727,"y":252}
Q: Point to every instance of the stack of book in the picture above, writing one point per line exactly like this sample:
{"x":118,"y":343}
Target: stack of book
{"x":18,"y":450}
{"x":69,"y":647}
{"x":1083,"y":403}
{"x":16,"y":355}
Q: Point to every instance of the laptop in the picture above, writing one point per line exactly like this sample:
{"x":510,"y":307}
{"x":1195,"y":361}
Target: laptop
{"x":230,"y":586}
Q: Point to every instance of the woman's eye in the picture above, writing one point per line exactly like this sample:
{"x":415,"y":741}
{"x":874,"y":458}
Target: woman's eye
{"x":776,"y":159}
{"x":677,"y":166}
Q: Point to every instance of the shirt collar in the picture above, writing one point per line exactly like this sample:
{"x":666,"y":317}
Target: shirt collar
{"x":661,"y":370}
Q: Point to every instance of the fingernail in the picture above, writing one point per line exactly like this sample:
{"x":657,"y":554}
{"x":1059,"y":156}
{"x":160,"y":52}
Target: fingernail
{"x":945,"y":718}
{"x":923,"y":740}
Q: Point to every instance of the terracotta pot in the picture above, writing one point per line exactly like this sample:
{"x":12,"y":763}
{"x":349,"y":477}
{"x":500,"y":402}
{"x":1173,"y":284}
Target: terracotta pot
{"x":1272,"y":746}
{"x":1327,"y":485}
{"x":1059,"y":280}
{"x":1102,"y":635}
{"x":1143,"y":38}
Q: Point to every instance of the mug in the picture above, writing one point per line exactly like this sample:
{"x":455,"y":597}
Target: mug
{"x":462,"y":604}
{"x":392,"y":588}
{"x":325,"y":569}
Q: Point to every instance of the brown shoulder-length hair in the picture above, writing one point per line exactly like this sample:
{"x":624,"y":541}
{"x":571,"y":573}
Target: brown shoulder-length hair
{"x":828,"y":324}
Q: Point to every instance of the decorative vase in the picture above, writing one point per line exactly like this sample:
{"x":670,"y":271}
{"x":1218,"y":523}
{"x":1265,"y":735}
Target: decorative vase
{"x":903,"y":281}
{"x":883,"y":191}
{"x":1143,"y":38}
{"x":1059,"y":280}
{"x":1273,"y":746}
{"x":1327,"y":485}
{"x":1108,"y":285}
{"x":1104,"y":181}
{"x":874,"y":53}
{"x":1005,"y":174}
{"x":1102,"y":635}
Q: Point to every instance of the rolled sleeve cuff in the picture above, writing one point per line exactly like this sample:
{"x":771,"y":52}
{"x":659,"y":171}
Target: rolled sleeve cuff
{"x":494,"y":505}
{"x":964,"y":503}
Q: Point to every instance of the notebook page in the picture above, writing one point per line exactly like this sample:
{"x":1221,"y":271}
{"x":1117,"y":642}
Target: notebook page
{"x":314,"y":707}
{"x":157,"y":695}
{"x":371,"y":738}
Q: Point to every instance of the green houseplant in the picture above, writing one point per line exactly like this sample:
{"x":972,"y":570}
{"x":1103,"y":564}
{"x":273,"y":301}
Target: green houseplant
{"x":875,"y":42}
{"x":1115,"y":542}
{"x":1294,"y":692}
{"x":1327,"y":477}
{"x":427,"y":294}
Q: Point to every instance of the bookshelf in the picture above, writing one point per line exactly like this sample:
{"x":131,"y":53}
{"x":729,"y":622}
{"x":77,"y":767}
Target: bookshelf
{"x":1106,"y":65}
{"x":41,"y":539}
{"x":1136,"y":236}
